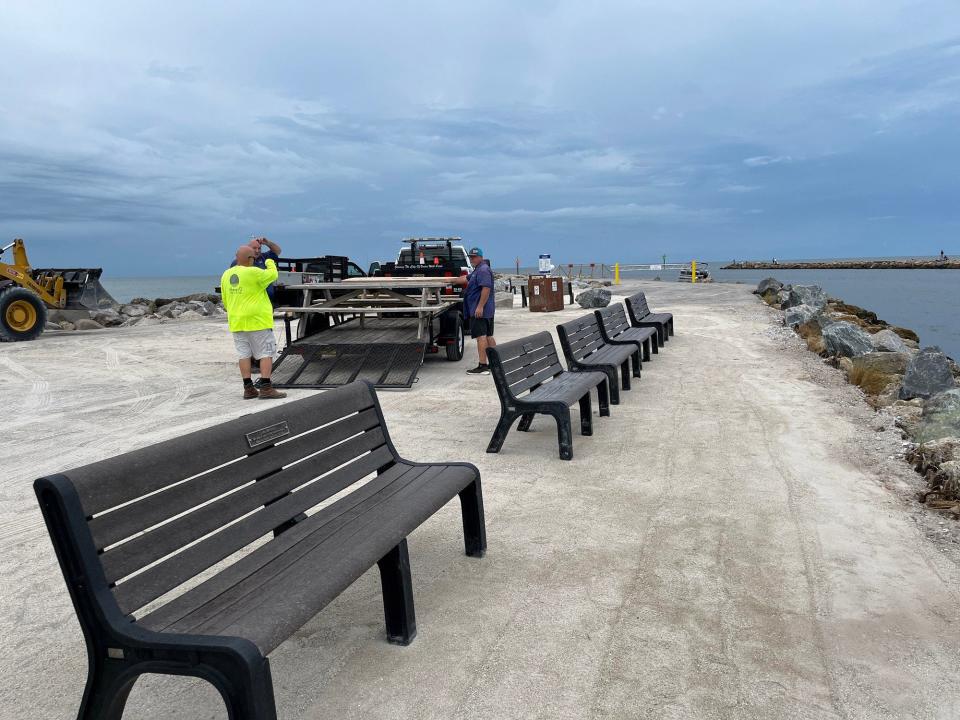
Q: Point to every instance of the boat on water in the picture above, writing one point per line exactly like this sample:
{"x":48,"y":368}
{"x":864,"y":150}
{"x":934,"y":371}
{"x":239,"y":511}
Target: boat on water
{"x":686,"y":275}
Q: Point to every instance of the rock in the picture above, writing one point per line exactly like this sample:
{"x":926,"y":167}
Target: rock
{"x":927,"y":374}
{"x":931,"y":455}
{"x":87,"y":324}
{"x":150,"y":320}
{"x":189,"y":315}
{"x":134,"y":311}
{"x":845,"y":364}
{"x":768,"y":284}
{"x":867,"y":316}
{"x":888,"y":341}
{"x":501,"y":285}
{"x":594,"y":298}
{"x":940,"y":417}
{"x":799,"y":314}
{"x":67,"y":325}
{"x":905,"y":333}
{"x":846,"y":340}
{"x":812,"y":295}
{"x":172,"y":310}
{"x":878,"y":373}
{"x":771,"y":298}
{"x":503,"y":300}
{"x":201,"y":308}
{"x":52,"y":326}
{"x":107,"y":317}
{"x":132,"y":321}
{"x":783,"y":298}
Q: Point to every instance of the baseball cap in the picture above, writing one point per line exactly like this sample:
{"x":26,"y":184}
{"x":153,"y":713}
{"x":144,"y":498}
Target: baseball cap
{"x":475,"y":251}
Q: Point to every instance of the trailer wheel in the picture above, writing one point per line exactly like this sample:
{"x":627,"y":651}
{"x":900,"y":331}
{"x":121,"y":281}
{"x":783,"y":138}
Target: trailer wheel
{"x":455,"y":349}
{"x":22,"y":314}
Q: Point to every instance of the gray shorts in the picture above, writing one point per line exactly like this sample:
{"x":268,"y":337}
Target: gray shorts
{"x":257,"y":344}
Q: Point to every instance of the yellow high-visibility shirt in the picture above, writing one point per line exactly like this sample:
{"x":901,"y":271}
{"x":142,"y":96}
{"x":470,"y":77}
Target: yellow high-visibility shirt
{"x":244,"y":291}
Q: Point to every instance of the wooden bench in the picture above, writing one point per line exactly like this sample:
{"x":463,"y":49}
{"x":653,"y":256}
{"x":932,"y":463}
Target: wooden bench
{"x":200,"y":555}
{"x":530,"y":380}
{"x":615,"y":329}
{"x":585,"y":351}
{"x":640,"y":316}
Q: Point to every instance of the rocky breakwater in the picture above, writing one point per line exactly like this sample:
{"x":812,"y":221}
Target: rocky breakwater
{"x":139,"y":311}
{"x":918,"y":384}
{"x":908,"y":264}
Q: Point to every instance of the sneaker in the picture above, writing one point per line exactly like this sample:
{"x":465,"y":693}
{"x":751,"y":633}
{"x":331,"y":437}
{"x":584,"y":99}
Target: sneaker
{"x":479,"y":370}
{"x":271,"y":393}
{"x":250,"y":392}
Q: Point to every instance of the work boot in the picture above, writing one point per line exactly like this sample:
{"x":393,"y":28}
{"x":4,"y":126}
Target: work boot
{"x":269,"y":392}
{"x":250,"y":392}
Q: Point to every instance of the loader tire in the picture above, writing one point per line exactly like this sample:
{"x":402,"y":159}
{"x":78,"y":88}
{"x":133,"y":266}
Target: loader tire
{"x":23,"y":316}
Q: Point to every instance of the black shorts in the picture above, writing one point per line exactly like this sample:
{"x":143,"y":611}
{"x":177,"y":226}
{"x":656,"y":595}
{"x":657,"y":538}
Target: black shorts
{"x":481,"y":327}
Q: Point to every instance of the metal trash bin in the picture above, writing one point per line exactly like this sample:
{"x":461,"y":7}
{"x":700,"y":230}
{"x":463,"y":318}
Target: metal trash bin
{"x":545,"y":294}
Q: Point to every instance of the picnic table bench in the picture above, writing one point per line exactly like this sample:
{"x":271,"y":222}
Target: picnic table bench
{"x":640,"y":316}
{"x":530,"y":380}
{"x":585,"y":351}
{"x":615,"y":329}
{"x":200,"y":555}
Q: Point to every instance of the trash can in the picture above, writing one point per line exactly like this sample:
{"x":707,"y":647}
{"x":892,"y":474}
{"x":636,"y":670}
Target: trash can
{"x":545,"y":294}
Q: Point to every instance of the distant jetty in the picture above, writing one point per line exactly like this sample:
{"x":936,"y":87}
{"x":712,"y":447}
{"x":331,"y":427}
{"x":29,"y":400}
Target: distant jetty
{"x":925,"y":264}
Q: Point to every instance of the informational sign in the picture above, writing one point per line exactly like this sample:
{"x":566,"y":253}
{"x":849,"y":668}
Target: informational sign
{"x":546,"y":267}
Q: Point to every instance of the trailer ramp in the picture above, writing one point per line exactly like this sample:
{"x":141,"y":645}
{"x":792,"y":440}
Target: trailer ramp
{"x":385,"y":352}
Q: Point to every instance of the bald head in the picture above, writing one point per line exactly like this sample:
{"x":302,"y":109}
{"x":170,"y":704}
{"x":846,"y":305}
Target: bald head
{"x":245,"y":255}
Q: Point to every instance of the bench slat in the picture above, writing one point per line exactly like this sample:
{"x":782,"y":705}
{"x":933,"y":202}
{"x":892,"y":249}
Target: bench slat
{"x":174,"y":571}
{"x":210,"y":597}
{"x":535,"y":379}
{"x":144,"y":549}
{"x":517,"y":363}
{"x":112,"y":482}
{"x":534,"y":367}
{"x":125,"y":522}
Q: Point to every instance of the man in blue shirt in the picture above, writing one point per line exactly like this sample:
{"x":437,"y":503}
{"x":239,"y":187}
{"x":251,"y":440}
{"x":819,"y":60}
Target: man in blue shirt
{"x":272,"y":252}
{"x":478,"y":308}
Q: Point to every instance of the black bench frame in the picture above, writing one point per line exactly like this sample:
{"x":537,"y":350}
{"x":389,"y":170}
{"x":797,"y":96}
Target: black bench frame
{"x":111,"y":497}
{"x":530,"y":365}
{"x":615,"y":329}
{"x":640,"y":316}
{"x":585,"y":351}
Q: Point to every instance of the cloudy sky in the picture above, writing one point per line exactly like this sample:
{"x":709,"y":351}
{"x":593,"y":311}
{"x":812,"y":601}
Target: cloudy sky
{"x":151,"y":138}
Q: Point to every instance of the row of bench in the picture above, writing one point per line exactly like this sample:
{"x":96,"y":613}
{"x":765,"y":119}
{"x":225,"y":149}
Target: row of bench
{"x":530,"y":379}
{"x":198,"y":556}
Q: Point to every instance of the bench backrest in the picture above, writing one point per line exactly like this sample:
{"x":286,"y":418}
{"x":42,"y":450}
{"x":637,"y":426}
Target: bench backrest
{"x":521,"y":365}
{"x":160,"y":516}
{"x":581,"y":337}
{"x":637,"y":307}
{"x":613,"y":319}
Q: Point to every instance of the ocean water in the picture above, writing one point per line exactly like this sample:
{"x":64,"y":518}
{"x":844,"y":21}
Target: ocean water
{"x":926,"y":301}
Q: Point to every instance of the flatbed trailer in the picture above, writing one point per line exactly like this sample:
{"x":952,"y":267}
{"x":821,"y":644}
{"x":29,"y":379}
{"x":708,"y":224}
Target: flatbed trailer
{"x":378,"y":329}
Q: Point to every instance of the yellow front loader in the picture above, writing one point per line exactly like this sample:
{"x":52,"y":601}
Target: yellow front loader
{"x":26,"y":293}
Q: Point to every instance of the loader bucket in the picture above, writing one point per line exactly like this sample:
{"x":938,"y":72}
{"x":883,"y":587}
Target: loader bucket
{"x":84,"y":291}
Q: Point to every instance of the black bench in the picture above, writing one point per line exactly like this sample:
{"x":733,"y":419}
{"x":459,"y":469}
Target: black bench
{"x":200,"y":555}
{"x":615,"y":329}
{"x":530,"y":380}
{"x":585,"y":351}
{"x":640,"y":316}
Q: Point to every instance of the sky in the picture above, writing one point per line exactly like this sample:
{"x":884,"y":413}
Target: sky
{"x":153,"y":138}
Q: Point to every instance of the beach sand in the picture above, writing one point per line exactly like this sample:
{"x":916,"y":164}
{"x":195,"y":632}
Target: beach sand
{"x":735,"y":541}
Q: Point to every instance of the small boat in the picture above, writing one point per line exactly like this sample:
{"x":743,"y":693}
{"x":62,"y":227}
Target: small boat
{"x":687,"y":276}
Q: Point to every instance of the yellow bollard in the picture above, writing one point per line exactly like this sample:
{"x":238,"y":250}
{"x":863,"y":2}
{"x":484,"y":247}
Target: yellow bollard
{"x":616,"y":273}
{"x":693,"y":271}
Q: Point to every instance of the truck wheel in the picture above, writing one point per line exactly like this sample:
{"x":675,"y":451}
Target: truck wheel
{"x":22,"y":314}
{"x":455,"y":349}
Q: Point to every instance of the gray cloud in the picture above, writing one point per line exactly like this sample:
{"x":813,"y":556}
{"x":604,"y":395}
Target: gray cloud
{"x":718,"y":127}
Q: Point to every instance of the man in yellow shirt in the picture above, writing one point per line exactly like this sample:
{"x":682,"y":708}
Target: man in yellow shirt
{"x":250,"y":316}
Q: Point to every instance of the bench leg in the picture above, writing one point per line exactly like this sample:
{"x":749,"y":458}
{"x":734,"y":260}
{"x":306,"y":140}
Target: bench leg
{"x":500,"y":432}
{"x":670,"y":326}
{"x":564,"y":433}
{"x":586,"y":415}
{"x":603,"y":399}
{"x":654,"y":341}
{"x":647,"y":349}
{"x":398,"y":595}
{"x":613,"y":386}
{"x":474,"y":527}
{"x":247,"y":692}
{"x":525,"y":421}
{"x":108,"y":687}
{"x":625,"y":374}
{"x":637,"y":364}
